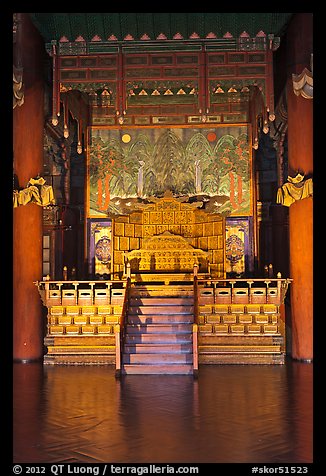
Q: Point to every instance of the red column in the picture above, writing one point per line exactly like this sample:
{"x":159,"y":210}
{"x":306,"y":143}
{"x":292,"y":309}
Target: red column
{"x":28,"y":123}
{"x":300,"y":157}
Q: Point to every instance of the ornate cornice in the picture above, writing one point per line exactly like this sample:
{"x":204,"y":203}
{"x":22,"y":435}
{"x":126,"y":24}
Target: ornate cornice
{"x":18,"y":87}
{"x":303,"y":82}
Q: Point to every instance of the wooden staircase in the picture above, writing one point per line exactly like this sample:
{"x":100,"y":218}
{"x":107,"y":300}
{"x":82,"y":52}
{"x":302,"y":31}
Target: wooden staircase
{"x":158,"y":332}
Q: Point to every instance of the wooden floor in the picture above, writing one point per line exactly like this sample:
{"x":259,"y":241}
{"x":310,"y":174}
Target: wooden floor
{"x":230,"y":414}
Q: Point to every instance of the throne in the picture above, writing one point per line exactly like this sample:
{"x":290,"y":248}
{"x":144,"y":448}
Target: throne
{"x":166,"y":257}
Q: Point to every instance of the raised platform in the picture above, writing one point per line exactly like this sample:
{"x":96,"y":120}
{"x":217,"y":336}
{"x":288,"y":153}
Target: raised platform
{"x":238,"y":321}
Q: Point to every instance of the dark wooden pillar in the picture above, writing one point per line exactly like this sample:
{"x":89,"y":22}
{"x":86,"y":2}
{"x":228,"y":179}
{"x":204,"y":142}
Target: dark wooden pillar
{"x":300,"y":157}
{"x":28,"y":122}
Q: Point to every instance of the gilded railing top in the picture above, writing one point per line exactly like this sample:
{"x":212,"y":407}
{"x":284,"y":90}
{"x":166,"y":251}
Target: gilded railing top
{"x":245,"y":280}
{"x":77,"y":283}
{"x":281,"y":284}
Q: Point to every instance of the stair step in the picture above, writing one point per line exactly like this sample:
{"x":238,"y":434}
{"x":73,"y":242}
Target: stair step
{"x":160,"y":318}
{"x":154,"y":358}
{"x":157,"y":348}
{"x":161,"y":301}
{"x":161,"y":291}
{"x":158,"y":328}
{"x":171,"y":369}
{"x":161,"y":309}
{"x":159,"y":338}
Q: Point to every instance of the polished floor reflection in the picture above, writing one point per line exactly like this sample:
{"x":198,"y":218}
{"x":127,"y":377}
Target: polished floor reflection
{"x":231,"y":414}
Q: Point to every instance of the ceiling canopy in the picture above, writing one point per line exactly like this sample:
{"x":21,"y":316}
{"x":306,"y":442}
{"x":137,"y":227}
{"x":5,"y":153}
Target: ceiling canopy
{"x":157,"y":26}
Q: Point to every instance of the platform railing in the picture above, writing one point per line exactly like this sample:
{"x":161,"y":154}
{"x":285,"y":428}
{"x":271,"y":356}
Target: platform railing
{"x":244,"y":290}
{"x":80,"y":293}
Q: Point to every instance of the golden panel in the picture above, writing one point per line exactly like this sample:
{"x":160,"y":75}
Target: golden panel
{"x":155,"y":218}
{"x":205,"y":328}
{"x":124,"y":244}
{"x":64,"y":319}
{"x":134,"y":244}
{"x":104,"y":310}
{"x":254,"y":329}
{"x":88,"y":329}
{"x":103,"y":329}
{"x":245,"y":318}
{"x":112,"y":319}
{"x":129,"y":229}
{"x":219,"y":272}
{"x":213,"y":319}
{"x":218,"y":228}
{"x":146,"y":220}
{"x":181,"y":217}
{"x":87,"y":310}
{"x":116,"y":242}
{"x":72,"y":310}
{"x":80,"y":320}
{"x":218,"y":256}
{"x":72,"y":329}
{"x":270,"y":329}
{"x":149,"y":230}
{"x":221,"y":328}
{"x":56,"y":330}
{"x":270,"y":308}
{"x":168,"y":218}
{"x":118,"y":257}
{"x":201,"y":319}
{"x":221,"y":309}
{"x":97,"y":319}
{"x":237,"y":309}
{"x":198,"y":230}
{"x":274,"y":318}
{"x":52,"y":320}
{"x":186,"y":230}
{"x":56,"y":310}
{"x":203,"y":243}
{"x":261,"y":319}
{"x":208,"y":229}
{"x":117,"y":310}
{"x":117,"y":268}
{"x":138,"y":231}
{"x":237,"y":328}
{"x":253,"y":309}
{"x":220,"y":242}
{"x":212,"y":242}
{"x":229,"y":319}
{"x":119,"y":229}
{"x":190,"y":217}
{"x":205,"y":309}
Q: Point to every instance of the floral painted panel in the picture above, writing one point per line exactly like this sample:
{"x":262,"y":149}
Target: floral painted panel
{"x":100,"y":247}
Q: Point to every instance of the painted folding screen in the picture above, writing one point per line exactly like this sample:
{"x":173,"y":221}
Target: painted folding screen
{"x":129,"y":166}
